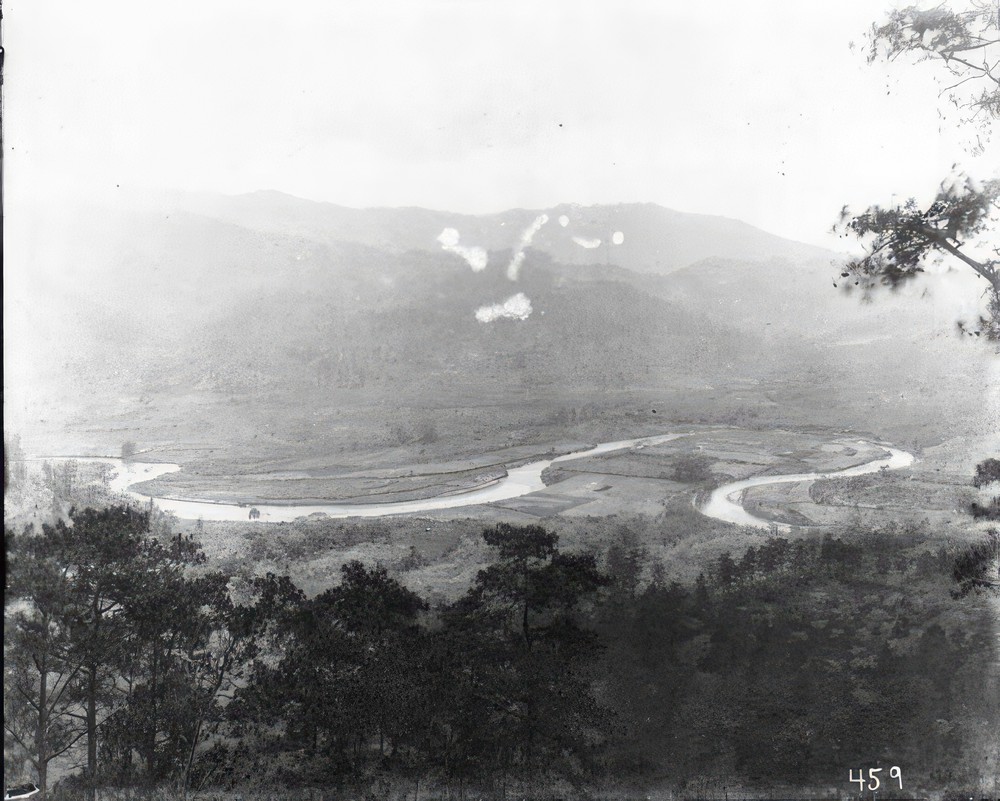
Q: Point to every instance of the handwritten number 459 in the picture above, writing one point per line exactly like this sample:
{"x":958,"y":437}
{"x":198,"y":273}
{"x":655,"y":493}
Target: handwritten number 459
{"x":873,"y":780}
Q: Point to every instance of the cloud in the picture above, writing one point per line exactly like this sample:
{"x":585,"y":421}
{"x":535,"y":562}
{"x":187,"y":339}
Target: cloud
{"x":618,"y":237}
{"x":516,"y":307}
{"x":590,"y":244}
{"x":563,"y":220}
{"x":475,"y":257}
{"x":514,"y":268}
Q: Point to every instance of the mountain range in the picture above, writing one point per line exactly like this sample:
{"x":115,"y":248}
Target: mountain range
{"x":653,"y":239}
{"x":214,"y":320}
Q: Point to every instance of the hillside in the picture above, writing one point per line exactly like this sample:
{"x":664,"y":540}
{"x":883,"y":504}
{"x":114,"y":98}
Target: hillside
{"x":282,"y":329}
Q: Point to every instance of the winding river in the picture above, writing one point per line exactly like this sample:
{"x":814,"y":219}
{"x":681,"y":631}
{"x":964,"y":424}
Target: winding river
{"x":724,"y":503}
{"x":518,"y":481}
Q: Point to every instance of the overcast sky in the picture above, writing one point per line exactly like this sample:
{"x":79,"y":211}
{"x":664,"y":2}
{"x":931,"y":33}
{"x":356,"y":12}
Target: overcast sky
{"x":754,"y":110}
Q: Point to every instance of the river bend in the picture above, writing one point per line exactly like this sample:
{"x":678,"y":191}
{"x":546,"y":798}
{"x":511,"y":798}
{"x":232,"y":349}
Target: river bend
{"x":725,"y":502}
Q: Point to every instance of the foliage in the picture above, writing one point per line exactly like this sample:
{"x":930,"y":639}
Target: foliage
{"x":965,"y":42}
{"x":898,"y":241}
{"x":494,"y":687}
{"x":779,"y":664}
{"x":799,"y":657}
{"x":978,"y":568}
{"x":987,"y":472}
{"x":692,"y":468}
{"x":99,"y":559}
{"x":115,"y":642}
{"x":522,"y":620}
{"x":41,"y":720}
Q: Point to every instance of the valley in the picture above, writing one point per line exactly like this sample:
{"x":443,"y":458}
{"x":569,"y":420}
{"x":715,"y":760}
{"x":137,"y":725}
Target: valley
{"x":480,"y":401}
{"x":281,"y":351}
{"x":311,"y":393}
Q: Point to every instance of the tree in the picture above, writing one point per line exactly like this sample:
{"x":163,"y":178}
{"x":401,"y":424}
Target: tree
{"x":624,"y":565}
{"x":987,"y":472}
{"x":41,"y":708}
{"x":345,"y":690}
{"x":963,"y":42}
{"x":526,"y":657}
{"x":899,"y":241}
{"x":157,"y":699}
{"x":76,"y":582}
{"x":725,"y":571}
{"x":377,"y":619}
{"x":977,"y":569}
{"x":227,"y":640}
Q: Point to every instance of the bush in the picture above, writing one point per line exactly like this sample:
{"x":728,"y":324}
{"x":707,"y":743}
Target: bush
{"x":692,"y":468}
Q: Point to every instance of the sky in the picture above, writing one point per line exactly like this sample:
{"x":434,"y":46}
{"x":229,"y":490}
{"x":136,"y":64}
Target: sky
{"x":759,"y":111}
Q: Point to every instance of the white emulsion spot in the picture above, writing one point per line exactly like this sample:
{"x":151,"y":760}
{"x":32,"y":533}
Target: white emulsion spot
{"x":563,"y":220}
{"x":516,"y":307}
{"x":590,"y":244}
{"x":529,"y":233}
{"x":618,"y":237}
{"x":475,"y":257}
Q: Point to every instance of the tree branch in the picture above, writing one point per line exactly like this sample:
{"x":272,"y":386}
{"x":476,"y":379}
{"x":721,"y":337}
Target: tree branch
{"x":983,"y":71}
{"x":17,"y":737}
{"x":29,"y":698}
{"x":940,"y":239}
{"x":58,"y":695}
{"x":69,"y":745}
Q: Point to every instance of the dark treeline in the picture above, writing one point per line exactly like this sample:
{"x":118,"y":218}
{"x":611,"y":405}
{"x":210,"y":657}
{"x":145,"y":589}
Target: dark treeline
{"x":801,"y":659}
{"x":131,"y":663}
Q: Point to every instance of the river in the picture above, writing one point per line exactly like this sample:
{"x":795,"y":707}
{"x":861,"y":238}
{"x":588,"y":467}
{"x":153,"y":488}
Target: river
{"x":724,"y":503}
{"x":518,"y":481}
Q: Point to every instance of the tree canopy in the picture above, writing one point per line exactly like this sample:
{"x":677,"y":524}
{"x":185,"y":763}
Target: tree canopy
{"x":965,"y":42}
{"x":965,"y":211}
{"x":548,"y":676}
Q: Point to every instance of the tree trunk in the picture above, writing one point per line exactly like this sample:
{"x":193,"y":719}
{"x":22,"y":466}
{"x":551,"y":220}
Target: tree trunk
{"x":524,"y":619}
{"x":43,"y":773}
{"x":200,"y":722}
{"x":43,"y":725}
{"x":92,"y":732}
{"x":149,"y":757}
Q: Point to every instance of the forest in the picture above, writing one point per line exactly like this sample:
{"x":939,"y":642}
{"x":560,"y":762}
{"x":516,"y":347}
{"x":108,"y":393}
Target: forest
{"x":132,"y":665}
